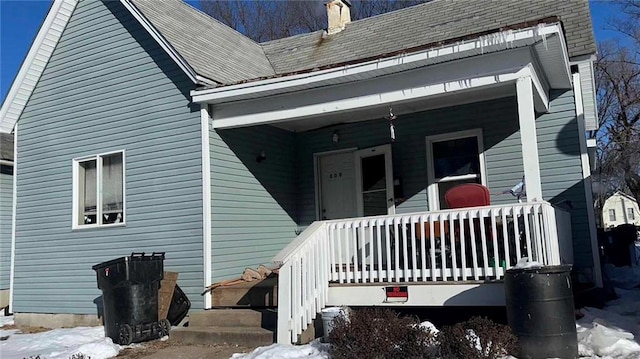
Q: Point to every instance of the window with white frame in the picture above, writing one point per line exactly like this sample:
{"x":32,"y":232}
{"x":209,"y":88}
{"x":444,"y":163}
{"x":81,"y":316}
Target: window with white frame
{"x":99,"y":190}
{"x":630,"y":214}
{"x":453,"y":159}
{"x":612,"y":215}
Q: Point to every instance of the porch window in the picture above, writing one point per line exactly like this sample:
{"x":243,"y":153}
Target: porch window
{"x":630,"y":214}
{"x":612,"y":215}
{"x":99,"y":190}
{"x":453,"y":159}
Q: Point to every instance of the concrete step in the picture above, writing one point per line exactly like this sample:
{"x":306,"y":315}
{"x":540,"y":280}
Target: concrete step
{"x":242,"y":336}
{"x":262,"y":293}
{"x":254,"y":318}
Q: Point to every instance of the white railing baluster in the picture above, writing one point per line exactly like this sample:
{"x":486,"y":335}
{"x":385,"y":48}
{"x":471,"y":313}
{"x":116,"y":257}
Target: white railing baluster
{"x":432,"y":253}
{"x":483,"y":239}
{"x":494,"y":238}
{"x":332,"y":251}
{"x":379,"y":247}
{"x":405,"y":253}
{"x":387,"y":242}
{"x":352,"y":251}
{"x":423,"y":249}
{"x":372,"y":253}
{"x":341,"y":272}
{"x":474,"y":249}
{"x":463,"y":245}
{"x":414,"y":256}
{"x":505,"y":238}
{"x":443,"y":248}
{"x":452,"y":240}
{"x":396,"y":238}
{"x":363,"y":261}
{"x":354,"y":262}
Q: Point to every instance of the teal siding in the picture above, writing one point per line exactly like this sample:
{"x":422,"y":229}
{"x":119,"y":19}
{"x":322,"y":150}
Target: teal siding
{"x":108,"y":87}
{"x":6,"y":211}
{"x":253,"y":203}
{"x":498,"y":120}
{"x":561,"y":169}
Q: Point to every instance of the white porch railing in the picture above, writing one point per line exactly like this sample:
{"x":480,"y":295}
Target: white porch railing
{"x":471,"y":244}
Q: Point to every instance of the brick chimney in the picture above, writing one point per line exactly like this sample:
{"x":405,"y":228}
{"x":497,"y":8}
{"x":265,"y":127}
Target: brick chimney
{"x":338,"y":14}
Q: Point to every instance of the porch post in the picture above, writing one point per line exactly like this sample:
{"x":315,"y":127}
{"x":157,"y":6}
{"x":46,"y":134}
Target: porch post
{"x":529,"y":139}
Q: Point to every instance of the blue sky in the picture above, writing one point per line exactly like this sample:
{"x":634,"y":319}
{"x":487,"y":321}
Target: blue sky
{"x":21,"y":19}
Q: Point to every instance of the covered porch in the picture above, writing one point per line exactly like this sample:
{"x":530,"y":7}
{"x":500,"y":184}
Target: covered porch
{"x":358,"y":159}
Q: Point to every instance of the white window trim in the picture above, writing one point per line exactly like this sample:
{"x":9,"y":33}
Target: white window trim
{"x":631,"y":214}
{"x":370,"y":152}
{"x":75,"y":188}
{"x":432,"y":186}
{"x":612,"y":213}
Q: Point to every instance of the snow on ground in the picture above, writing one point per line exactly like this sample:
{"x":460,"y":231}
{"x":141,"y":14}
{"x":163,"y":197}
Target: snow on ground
{"x":58,"y":344}
{"x":611,"y":333}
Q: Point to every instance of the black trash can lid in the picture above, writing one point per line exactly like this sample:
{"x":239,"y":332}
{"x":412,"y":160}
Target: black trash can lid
{"x":135,"y":256}
{"x":563,"y":268}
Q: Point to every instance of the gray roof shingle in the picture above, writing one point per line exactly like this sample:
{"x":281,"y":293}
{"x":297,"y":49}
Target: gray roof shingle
{"x":211,"y":48}
{"x":222,"y":54}
{"x":428,"y":23}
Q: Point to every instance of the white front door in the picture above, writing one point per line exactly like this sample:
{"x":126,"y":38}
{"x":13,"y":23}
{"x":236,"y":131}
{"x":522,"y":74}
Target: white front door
{"x":337,"y":186}
{"x":374,"y":188}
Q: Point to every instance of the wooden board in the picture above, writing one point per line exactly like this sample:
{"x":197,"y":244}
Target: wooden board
{"x":165,"y":293}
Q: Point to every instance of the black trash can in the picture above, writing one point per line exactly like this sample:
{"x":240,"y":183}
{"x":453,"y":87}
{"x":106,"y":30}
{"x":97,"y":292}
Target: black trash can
{"x":130,"y":297}
{"x":541,"y":313}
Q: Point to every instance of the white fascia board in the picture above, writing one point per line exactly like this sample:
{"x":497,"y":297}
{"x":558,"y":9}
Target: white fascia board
{"x":541,"y":94}
{"x":33,"y":65}
{"x":485,"y":44}
{"x":166,"y":46}
{"x":377,"y":99}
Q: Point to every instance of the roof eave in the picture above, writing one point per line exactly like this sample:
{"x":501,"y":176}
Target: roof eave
{"x":452,"y":51}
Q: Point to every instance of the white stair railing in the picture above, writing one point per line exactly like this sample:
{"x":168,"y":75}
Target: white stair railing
{"x":470,"y":244}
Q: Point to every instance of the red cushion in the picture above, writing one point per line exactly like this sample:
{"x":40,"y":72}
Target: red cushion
{"x":467,"y":195}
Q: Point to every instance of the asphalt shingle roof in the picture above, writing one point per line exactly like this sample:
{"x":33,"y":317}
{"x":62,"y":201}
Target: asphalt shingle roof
{"x":211,"y":48}
{"x":428,"y":23}
{"x":220,"y":53}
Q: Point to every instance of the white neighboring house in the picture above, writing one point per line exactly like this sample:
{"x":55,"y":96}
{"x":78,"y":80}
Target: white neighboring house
{"x":619,"y":209}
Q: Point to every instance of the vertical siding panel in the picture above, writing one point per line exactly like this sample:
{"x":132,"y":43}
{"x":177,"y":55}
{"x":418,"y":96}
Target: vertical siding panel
{"x":561,"y":169}
{"x":114,"y":92}
{"x":253,"y":208}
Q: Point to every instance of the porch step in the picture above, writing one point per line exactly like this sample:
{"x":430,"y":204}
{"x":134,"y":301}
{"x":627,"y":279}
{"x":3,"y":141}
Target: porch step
{"x":243,"y":336}
{"x":263,"y":294}
{"x":256,"y":318}
{"x":244,"y":327}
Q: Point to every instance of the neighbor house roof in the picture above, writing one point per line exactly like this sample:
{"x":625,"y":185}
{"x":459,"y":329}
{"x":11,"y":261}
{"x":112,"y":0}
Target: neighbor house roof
{"x":428,"y":24}
{"x":6,"y":146}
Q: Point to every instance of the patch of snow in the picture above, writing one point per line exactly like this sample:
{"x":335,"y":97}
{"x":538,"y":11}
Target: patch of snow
{"x":313,"y":350}
{"x":8,"y":320}
{"x":525,"y":263}
{"x":60,"y":344}
{"x":430,"y":327}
